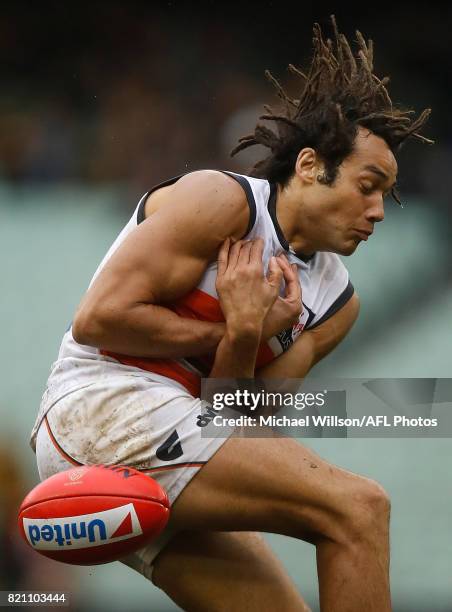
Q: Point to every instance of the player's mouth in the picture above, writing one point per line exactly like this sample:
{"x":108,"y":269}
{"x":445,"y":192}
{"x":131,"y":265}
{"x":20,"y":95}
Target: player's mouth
{"x":363,"y":234}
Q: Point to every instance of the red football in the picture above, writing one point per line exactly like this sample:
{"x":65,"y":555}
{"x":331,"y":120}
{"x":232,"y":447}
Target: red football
{"x":93,"y":514}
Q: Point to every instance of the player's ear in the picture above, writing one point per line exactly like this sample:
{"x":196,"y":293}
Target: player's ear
{"x":308,"y":165}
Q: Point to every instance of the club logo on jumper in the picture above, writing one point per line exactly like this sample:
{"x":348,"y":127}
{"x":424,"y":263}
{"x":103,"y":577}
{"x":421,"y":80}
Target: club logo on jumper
{"x":285,"y":339}
{"x":297,"y":329}
{"x":83,"y":531}
{"x":170,"y":449}
{"x":288,"y":336}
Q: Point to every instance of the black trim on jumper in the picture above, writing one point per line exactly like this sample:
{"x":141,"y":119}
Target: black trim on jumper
{"x":337,"y":305}
{"x":282,"y":239}
{"x":140,"y":213}
{"x":272,"y":211}
{"x":240,"y":179}
{"x":311,"y":315}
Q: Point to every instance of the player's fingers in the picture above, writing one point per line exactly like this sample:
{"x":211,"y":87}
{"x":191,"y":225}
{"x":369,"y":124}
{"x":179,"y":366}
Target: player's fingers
{"x":290,"y":275}
{"x":292,"y":281}
{"x":285,"y":265}
{"x":257,"y":250}
{"x":244,"y":254}
{"x":274,"y":274}
{"x":234,"y":253}
{"x":283,"y":256}
{"x":223,"y":256}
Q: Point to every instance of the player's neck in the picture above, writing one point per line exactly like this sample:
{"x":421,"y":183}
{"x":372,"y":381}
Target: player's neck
{"x":298,"y":234}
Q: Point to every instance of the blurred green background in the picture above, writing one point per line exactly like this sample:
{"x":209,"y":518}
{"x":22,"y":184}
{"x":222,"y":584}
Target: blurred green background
{"x":96,"y":107}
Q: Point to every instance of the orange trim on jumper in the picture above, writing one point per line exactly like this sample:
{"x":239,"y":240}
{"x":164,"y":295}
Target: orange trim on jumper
{"x":165,"y":468}
{"x":264,"y":355}
{"x":199,"y":305}
{"x":58,"y":447}
{"x":166,"y":367}
{"x":172,"y":369}
{"x":195,"y":305}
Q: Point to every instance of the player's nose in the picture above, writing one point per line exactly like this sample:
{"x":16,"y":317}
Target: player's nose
{"x":376,"y":211}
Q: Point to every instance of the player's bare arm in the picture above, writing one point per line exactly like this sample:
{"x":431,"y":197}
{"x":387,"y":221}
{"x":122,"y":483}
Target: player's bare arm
{"x":162,"y":260}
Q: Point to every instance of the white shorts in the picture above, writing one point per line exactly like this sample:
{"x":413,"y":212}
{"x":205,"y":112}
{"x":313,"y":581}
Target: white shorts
{"x":128,"y":420}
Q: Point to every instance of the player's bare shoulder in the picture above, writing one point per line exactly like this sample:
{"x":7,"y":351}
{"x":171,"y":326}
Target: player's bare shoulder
{"x":212,"y":199}
{"x":165,"y":256}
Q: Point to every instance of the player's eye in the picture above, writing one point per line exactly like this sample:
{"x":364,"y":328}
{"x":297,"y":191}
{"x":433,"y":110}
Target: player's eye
{"x":366,"y":188}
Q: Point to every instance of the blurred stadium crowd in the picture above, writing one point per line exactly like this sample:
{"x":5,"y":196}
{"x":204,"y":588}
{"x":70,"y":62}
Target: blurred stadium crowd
{"x":139,"y":92}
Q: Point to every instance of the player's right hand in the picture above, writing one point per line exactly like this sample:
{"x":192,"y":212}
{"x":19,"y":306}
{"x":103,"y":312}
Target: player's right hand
{"x":245,"y":293}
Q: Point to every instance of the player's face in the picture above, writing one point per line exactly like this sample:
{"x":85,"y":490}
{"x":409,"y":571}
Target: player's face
{"x":352,"y":206}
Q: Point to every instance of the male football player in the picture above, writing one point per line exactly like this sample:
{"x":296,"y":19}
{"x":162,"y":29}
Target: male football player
{"x":190,"y":288}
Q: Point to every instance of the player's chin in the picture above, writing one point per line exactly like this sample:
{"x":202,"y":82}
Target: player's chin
{"x":348,"y":247}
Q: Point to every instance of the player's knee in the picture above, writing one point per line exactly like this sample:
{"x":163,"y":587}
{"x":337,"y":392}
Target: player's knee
{"x":357,"y":510}
{"x":367,"y":514}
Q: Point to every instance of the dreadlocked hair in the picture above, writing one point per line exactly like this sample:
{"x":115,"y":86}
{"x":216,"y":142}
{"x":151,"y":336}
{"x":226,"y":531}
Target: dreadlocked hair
{"x":340,"y":92}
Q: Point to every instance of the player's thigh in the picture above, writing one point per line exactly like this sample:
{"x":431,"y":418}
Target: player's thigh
{"x":215,"y":571}
{"x":271,"y":485}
